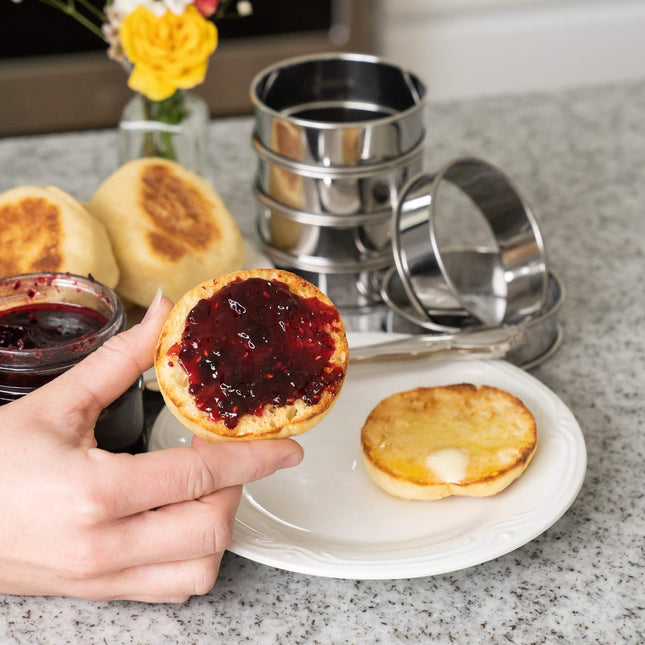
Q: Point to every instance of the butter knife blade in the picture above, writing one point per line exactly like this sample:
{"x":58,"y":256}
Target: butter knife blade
{"x":488,"y":343}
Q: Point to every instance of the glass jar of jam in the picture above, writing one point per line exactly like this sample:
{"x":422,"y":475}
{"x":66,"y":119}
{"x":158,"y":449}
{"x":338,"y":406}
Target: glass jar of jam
{"x":48,"y":323}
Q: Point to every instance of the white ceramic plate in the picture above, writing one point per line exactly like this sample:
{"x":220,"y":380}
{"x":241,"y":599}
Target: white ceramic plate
{"x":327,"y":518}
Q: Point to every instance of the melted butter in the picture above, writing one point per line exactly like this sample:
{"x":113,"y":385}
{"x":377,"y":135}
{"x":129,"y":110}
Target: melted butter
{"x":445,"y":439}
{"x":441,"y":445}
{"x":449,"y":464}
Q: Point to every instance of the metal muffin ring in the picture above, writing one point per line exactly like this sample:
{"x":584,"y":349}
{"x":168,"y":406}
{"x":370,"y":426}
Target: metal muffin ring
{"x":513,"y":287}
{"x":314,"y":263}
{"x":320,"y":219}
{"x":337,"y":172}
{"x":338,"y":109}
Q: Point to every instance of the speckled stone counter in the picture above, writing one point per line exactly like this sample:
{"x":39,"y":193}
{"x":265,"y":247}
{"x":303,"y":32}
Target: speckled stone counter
{"x":579,"y":156}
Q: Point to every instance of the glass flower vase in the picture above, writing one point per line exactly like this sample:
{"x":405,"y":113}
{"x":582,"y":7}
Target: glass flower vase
{"x":175,"y":128}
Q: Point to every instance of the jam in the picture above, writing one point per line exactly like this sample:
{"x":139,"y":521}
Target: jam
{"x":47,"y":324}
{"x":255,"y":344}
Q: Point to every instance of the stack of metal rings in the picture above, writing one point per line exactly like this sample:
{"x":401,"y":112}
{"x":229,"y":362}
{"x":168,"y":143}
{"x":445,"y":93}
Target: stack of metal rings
{"x":440,"y":287}
{"x":336,"y":138}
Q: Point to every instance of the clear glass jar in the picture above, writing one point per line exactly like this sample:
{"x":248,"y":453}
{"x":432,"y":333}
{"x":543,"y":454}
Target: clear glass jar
{"x":120,"y":426}
{"x":175,"y":128}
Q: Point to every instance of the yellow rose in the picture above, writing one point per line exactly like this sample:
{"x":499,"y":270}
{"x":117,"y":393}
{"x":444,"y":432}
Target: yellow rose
{"x":167,"y":52}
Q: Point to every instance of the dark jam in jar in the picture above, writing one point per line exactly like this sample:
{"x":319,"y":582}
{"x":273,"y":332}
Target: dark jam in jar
{"x":47,"y":324}
{"x":255,"y":344}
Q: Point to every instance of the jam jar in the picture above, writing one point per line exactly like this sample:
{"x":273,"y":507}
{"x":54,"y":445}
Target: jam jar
{"x":48,"y":323}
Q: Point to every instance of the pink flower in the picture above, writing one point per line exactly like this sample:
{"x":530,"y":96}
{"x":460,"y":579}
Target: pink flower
{"x":206,"y":7}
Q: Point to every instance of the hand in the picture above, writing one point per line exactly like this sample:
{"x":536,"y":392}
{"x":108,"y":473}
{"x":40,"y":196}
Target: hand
{"x":79,"y":521}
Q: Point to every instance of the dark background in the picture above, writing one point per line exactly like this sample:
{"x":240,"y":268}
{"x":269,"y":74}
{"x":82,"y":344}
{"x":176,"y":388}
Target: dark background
{"x":31,"y":28}
{"x":55,"y":75}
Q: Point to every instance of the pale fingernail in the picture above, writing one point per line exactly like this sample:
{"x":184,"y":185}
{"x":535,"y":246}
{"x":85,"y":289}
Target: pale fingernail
{"x":291,"y":460}
{"x":154,"y":306}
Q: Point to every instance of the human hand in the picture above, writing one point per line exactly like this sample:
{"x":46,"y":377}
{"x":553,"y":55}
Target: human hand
{"x":79,"y":521}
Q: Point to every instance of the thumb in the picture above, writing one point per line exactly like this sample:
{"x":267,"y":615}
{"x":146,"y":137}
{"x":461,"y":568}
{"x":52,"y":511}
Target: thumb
{"x":105,"y":374}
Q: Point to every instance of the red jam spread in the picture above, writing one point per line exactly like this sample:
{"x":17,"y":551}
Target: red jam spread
{"x":255,"y":344}
{"x":47,"y":324}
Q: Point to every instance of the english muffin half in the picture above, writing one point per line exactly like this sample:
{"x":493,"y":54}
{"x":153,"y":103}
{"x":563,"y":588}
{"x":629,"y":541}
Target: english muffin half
{"x":433,"y":442}
{"x":168,"y":227}
{"x":46,"y":229}
{"x":252,"y":355}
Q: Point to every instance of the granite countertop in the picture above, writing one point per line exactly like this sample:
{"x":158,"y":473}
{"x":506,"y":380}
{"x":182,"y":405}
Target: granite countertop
{"x":579,"y":157}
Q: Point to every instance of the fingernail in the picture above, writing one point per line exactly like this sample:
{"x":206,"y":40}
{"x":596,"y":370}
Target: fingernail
{"x":154,"y":306}
{"x":291,"y":460}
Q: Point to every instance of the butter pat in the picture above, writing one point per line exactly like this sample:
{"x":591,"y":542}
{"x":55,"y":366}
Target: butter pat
{"x":449,"y":464}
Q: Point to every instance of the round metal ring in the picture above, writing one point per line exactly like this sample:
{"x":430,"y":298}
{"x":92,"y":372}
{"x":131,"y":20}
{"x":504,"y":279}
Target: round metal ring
{"x":320,"y":264}
{"x":320,"y":219}
{"x":337,"y":172}
{"x":339,"y":109}
{"x":519,"y":278}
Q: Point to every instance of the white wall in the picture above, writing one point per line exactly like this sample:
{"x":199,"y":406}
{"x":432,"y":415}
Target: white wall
{"x":468,"y":48}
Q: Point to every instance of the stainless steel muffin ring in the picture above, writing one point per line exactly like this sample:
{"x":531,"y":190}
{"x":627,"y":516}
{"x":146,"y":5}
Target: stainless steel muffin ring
{"x":542,"y":333}
{"x":337,"y":172}
{"x":338,"y":109}
{"x":307,"y":262}
{"x":336,"y":192}
{"x":511,"y":285}
{"x":308,"y":218}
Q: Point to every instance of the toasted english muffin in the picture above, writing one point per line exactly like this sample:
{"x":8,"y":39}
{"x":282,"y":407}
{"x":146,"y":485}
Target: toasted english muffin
{"x":168,"y":228}
{"x":433,"y":442}
{"x":45,"y":229}
{"x":252,"y":355}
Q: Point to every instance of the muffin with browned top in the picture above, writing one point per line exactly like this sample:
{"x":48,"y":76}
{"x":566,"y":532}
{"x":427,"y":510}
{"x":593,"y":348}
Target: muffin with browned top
{"x":168,"y":228}
{"x":46,"y":229}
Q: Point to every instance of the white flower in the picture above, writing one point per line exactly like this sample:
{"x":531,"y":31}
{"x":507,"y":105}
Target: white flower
{"x":110,"y":30}
{"x":244,"y":8}
{"x":177,"y":6}
{"x":122,"y":8}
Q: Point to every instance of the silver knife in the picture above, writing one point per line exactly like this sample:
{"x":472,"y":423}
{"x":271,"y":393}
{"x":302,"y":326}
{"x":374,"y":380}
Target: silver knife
{"x":485,"y":343}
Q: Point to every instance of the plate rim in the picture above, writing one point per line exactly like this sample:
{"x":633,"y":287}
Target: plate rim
{"x":365,"y":570}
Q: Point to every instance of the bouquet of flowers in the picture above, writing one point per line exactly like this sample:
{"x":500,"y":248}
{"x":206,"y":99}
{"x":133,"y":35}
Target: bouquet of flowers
{"x":165,"y":46}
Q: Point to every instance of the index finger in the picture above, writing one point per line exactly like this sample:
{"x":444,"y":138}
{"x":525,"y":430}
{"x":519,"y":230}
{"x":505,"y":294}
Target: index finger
{"x":129,"y":484}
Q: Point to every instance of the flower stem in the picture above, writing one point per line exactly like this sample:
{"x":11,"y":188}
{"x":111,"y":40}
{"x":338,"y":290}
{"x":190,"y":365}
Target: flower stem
{"x":170,"y":111}
{"x":69,"y":8}
{"x":93,"y":10}
{"x":221,"y":10}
